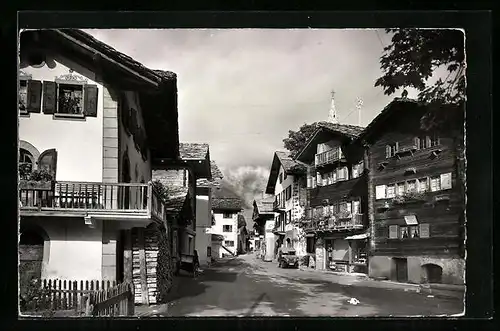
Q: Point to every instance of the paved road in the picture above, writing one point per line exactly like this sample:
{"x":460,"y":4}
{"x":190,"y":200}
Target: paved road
{"x":246,"y":286}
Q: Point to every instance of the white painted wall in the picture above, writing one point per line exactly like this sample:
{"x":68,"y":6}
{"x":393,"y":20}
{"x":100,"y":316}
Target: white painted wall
{"x":203,"y":226}
{"x":74,"y":250}
{"x":217,"y":229}
{"x":78,"y":141}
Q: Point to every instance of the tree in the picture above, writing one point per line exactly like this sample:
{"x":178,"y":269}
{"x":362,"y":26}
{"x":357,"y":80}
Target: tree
{"x":297,"y":139}
{"x":413,"y":57}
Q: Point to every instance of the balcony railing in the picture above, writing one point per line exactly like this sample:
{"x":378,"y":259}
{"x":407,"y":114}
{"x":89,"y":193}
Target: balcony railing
{"x":337,"y":223}
{"x":328,"y":157}
{"x":278,"y":204}
{"x":96,"y":197}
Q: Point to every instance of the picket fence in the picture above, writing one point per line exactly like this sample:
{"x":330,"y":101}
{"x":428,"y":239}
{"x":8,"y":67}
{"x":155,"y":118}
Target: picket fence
{"x":90,"y":298}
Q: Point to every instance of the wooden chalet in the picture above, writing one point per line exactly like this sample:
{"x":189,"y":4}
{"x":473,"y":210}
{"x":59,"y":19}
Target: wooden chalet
{"x":335,"y":221}
{"x":416,"y":197}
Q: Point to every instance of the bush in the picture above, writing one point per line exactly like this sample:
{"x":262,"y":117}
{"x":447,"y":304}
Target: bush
{"x":35,"y":298}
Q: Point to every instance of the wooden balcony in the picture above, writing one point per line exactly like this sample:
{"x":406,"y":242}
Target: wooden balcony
{"x":134,"y":200}
{"x":328,"y":157}
{"x":339,"y":222}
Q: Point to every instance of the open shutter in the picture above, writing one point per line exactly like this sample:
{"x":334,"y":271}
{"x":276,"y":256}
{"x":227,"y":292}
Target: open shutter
{"x":34,"y":96}
{"x":397,"y":146}
{"x":49,"y":97}
{"x":380,"y":192}
{"x":387,"y":151}
{"x":446,"y":181}
{"x":424,"y":231}
{"x":416,"y":142}
{"x":48,"y":161}
{"x":90,"y":102}
{"x":393,"y":232}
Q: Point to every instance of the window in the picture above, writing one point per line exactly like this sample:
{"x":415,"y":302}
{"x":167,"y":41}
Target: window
{"x":380,"y":192}
{"x":391,"y":150}
{"x":285,"y":176}
{"x":400,"y":188}
{"x":289,"y":217}
{"x":435,"y":183}
{"x":227,"y":215}
{"x":421,"y":142}
{"x":26,"y":160}
{"x":424,"y":142}
{"x":411,"y":186}
{"x":288,"y":193}
{"x":227,"y":228}
{"x":391,"y":191}
{"x":342,"y":174}
{"x":23,"y":96}
{"x":357,"y":170}
{"x":414,"y":233}
{"x":281,"y":178}
{"x":70,"y":99}
{"x":445,"y":181}
{"x":229,"y":243}
{"x":433,"y":140}
{"x":356,"y":207}
{"x":403,"y":232}
{"x":423,"y":185}
{"x":393,"y":232}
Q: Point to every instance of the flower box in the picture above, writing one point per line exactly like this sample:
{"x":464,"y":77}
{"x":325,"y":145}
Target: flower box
{"x":35,"y":185}
{"x":409,"y":198}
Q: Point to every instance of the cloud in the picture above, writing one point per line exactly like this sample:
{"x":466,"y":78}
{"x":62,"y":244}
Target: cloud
{"x":247,"y":182}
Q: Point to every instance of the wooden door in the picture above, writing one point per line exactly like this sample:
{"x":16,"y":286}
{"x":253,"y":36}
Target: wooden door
{"x":401,"y":270}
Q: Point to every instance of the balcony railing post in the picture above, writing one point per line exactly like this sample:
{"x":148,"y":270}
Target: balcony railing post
{"x":150,"y":197}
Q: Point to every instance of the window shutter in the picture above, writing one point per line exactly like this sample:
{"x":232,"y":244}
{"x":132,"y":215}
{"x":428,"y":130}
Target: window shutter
{"x":380,"y":192}
{"x":48,"y":160}
{"x":446,"y":181}
{"x":49,"y":97}
{"x":428,"y":140}
{"x":393,"y":232}
{"x":417,"y":142}
{"x":34,"y":96}
{"x":90,"y":93}
{"x":387,"y":151}
{"x":424,"y":231}
{"x":397,"y":146}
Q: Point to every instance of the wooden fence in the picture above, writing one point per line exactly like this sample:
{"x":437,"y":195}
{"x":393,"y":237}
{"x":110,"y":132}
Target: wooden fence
{"x":90,"y":298}
{"x":114,"y":301}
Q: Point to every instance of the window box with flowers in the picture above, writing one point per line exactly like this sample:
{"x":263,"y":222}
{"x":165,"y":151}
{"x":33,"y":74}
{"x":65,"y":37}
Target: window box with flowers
{"x":40,"y":179}
{"x":409,"y":197}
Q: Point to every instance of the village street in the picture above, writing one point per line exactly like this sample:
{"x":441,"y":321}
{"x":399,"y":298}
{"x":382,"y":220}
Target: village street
{"x":245,"y":286}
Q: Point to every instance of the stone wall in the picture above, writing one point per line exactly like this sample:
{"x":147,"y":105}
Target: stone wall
{"x":453,"y":269}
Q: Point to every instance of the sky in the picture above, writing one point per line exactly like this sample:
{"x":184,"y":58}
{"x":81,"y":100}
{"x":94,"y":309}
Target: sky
{"x":241,"y":90}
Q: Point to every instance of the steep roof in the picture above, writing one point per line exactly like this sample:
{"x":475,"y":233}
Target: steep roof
{"x":290,"y":166}
{"x":108,"y":52}
{"x":264,"y":206}
{"x":216,"y":179}
{"x":349,"y":132}
{"x":189,"y":151}
{"x":177,"y":196}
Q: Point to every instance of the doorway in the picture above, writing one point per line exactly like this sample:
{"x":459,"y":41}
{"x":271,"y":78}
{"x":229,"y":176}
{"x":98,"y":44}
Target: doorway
{"x":401,"y":269}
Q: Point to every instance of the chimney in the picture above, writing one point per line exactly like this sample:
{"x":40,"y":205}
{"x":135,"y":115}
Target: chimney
{"x":332,"y":116}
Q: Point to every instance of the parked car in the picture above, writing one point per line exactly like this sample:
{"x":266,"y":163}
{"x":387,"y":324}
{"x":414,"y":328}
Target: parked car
{"x":288,"y":258}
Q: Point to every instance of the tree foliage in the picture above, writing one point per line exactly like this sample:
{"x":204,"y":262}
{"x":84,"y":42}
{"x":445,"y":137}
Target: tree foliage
{"x":297,"y":139}
{"x":413,"y":57}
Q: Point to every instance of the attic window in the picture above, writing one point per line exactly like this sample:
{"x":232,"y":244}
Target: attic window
{"x":409,"y":171}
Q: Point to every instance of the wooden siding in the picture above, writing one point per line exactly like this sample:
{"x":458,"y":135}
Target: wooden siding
{"x":110,"y":138}
{"x":444,"y":217}
{"x":338,"y":191}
